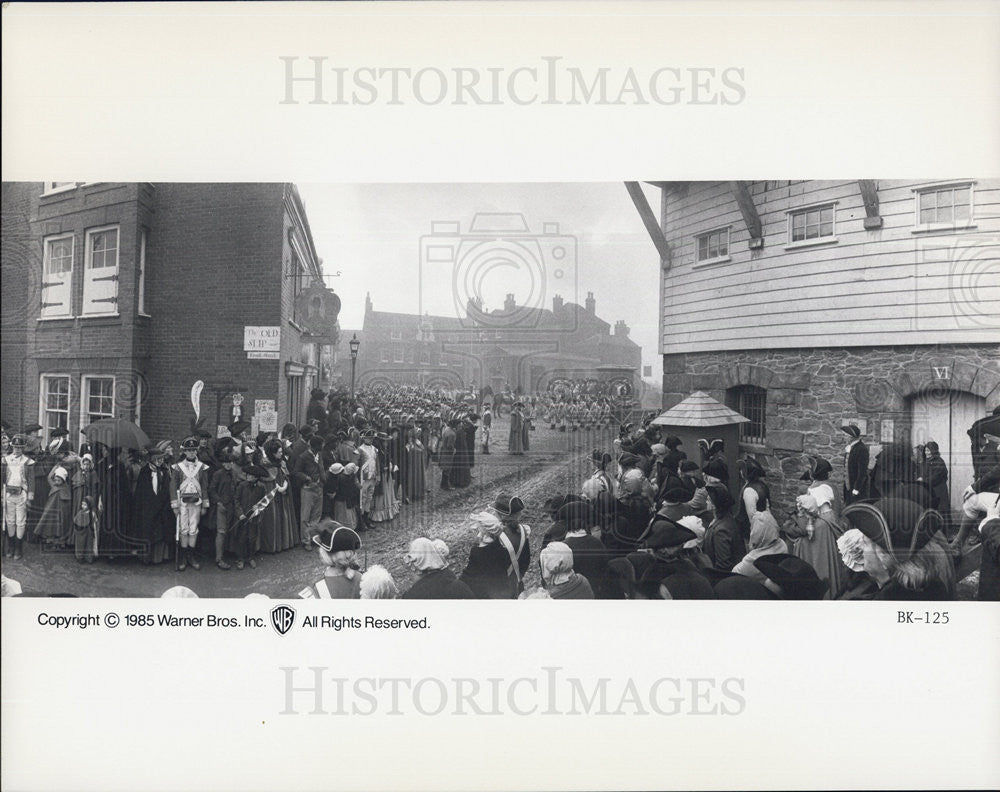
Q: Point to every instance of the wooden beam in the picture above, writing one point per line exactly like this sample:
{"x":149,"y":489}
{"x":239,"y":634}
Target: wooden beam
{"x":741,"y":192}
{"x":869,"y":194}
{"x":649,"y":220}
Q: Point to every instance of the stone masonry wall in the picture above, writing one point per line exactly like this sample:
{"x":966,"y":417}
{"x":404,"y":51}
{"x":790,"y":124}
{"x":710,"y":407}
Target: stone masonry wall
{"x":812,"y":392}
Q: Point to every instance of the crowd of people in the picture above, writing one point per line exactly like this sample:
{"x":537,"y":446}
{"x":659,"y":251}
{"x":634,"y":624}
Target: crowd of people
{"x":647,"y":522}
{"x":650,"y":523}
{"x":231,"y":499}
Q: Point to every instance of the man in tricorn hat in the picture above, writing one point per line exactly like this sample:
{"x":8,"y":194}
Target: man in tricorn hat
{"x":189,"y":499}
{"x":856,"y":474}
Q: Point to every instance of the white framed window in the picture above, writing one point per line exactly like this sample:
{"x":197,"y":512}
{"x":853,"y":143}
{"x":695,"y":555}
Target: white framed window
{"x":397,"y":354}
{"x":944,"y":207}
{"x":385,"y":355}
{"x":396,"y":335}
{"x":100,"y":272}
{"x":57,"y":277}
{"x":141,"y":299}
{"x":53,"y":403}
{"x":812,"y":225}
{"x":50,"y":188}
{"x":97,"y":399}
{"x":425,"y":358}
{"x":712,"y":246}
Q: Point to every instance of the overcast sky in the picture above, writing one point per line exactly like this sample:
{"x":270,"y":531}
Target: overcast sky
{"x":372,"y":234}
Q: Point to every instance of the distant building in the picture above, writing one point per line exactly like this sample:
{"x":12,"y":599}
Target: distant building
{"x":118,"y":297}
{"x":516,"y":348}
{"x":806,"y":305}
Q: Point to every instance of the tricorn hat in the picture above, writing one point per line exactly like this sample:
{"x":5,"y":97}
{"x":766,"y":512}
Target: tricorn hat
{"x":335,"y":538}
{"x":236,"y":428}
{"x":797,"y":579}
{"x":664,"y":532}
{"x":716,"y":469}
{"x":851,"y":429}
{"x":508,"y":505}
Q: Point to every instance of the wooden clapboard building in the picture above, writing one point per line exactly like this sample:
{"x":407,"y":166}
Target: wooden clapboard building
{"x":805,"y":305}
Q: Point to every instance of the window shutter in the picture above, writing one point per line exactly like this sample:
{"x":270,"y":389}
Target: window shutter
{"x":57,"y":278}
{"x":100,"y":277}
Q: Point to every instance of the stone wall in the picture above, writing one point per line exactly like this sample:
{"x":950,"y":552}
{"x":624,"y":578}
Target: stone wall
{"x":811,"y":393}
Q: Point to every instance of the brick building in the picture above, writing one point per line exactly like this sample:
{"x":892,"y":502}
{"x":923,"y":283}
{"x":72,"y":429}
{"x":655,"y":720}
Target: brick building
{"x":514,"y":347}
{"x":806,"y":305}
{"x":122,"y":296}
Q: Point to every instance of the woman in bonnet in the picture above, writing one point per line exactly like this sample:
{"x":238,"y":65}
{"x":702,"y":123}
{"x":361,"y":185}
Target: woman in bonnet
{"x":498,"y":563}
{"x":428,"y":558}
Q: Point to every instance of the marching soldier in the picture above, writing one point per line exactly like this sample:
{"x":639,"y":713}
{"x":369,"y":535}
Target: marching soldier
{"x":18,"y":492}
{"x":189,"y":500}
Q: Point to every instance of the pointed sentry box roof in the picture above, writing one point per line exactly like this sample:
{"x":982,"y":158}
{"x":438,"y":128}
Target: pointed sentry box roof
{"x":699,"y":409}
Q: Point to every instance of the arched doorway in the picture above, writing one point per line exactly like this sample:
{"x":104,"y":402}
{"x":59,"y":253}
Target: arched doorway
{"x":945,"y":416}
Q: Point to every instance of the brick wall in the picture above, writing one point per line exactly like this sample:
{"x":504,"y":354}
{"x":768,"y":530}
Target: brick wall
{"x":83,"y":345}
{"x":17,"y":256}
{"x":811,"y":392}
{"x":214,"y":261}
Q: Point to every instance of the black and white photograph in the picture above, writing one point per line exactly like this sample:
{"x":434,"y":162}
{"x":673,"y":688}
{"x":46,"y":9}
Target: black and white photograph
{"x":337,"y":338}
{"x":218,"y":390}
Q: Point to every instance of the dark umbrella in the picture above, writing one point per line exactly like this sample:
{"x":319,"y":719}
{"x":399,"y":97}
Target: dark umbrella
{"x":117,"y":433}
{"x":988,"y":425}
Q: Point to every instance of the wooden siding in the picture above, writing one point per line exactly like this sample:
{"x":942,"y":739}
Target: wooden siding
{"x":887,"y":286}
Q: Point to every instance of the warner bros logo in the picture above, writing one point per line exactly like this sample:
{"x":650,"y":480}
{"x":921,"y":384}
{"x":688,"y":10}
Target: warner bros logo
{"x":282,"y":618}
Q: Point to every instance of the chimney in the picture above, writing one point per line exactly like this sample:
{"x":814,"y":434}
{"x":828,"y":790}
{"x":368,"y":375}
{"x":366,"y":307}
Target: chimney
{"x":474,"y":307}
{"x":368,"y":302}
{"x":590,"y":303}
{"x":557,"y":304}
{"x":621,"y":329}
{"x":508,"y":304}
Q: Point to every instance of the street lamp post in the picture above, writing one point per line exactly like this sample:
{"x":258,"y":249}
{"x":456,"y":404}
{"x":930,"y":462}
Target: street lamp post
{"x":354,"y":344}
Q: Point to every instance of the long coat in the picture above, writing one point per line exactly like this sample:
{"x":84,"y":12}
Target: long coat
{"x":989,"y":571}
{"x":936,"y":478}
{"x":515,"y":443}
{"x":856,"y":477}
{"x":152,"y":516}
{"x":115,"y":507}
{"x":724,"y":543}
